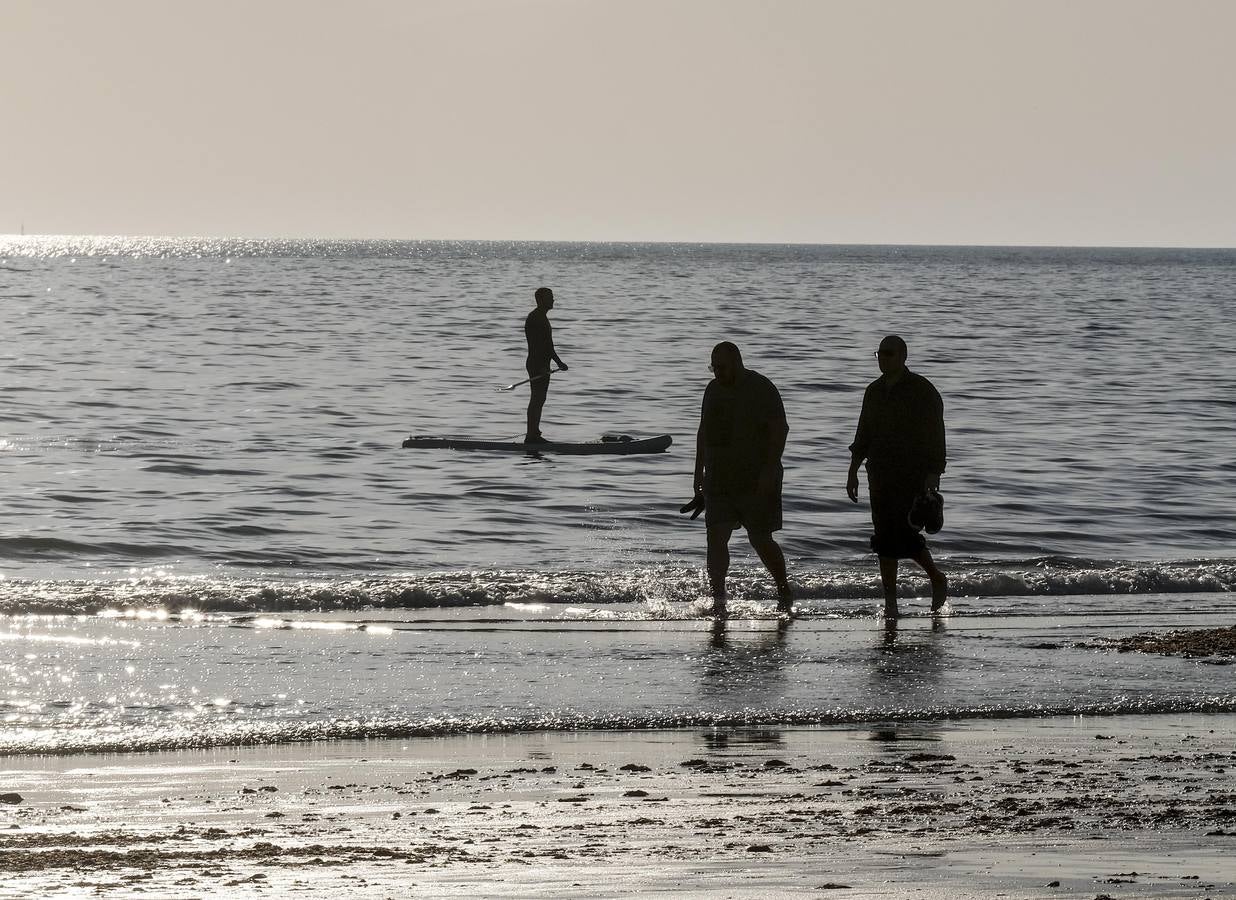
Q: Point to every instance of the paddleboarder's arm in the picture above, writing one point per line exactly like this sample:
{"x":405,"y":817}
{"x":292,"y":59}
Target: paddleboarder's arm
{"x":549,"y":338}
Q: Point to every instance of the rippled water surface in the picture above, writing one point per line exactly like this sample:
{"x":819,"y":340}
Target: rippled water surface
{"x":199,"y":428}
{"x":203,"y":404}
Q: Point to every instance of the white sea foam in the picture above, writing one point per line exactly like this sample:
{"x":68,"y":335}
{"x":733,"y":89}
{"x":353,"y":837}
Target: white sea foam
{"x":660,"y":591}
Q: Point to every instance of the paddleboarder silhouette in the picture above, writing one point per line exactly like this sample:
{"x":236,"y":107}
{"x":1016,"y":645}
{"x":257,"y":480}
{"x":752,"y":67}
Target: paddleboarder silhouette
{"x":541,"y":353}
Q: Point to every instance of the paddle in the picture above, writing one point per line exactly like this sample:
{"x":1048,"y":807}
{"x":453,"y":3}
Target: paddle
{"x":511,"y":387}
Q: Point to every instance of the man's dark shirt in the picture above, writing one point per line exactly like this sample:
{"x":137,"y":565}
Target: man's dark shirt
{"x":540,"y":340}
{"x":901,"y":429}
{"x":737,"y":423}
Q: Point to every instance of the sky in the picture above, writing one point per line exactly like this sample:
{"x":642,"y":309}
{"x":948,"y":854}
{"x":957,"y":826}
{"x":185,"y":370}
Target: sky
{"x":1059,"y":122}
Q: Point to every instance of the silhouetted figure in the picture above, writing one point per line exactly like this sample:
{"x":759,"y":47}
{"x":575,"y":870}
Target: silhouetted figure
{"x":738,"y":469}
{"x":540,"y":354}
{"x":901,"y":436}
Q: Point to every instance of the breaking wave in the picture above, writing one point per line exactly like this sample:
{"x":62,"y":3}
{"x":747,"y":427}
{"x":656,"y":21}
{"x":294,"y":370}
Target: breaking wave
{"x":824,"y":590}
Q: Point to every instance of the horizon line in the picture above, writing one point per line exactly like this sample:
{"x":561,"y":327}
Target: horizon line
{"x":358,"y":240}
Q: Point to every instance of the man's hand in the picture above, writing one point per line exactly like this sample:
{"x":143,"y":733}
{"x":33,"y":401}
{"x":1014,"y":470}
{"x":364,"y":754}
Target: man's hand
{"x":562,"y":366}
{"x":851,"y":486}
{"x":695,"y":506}
{"x":698,"y":484}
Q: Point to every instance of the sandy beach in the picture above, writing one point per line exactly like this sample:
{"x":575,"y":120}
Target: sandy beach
{"x":1070,"y":807}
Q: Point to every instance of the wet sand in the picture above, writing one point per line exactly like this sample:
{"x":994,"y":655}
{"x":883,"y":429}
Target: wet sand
{"x":1074,"y":807}
{"x":1219,"y":643}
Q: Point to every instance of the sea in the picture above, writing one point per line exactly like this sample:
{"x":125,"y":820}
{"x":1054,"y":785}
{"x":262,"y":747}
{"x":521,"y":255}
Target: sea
{"x":211,"y":535}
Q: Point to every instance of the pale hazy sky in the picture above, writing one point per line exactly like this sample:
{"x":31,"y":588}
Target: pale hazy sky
{"x":1104,"y":122}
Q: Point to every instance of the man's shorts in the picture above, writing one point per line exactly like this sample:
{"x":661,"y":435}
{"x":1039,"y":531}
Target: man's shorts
{"x":758,"y":513}
{"x":890,"y":507}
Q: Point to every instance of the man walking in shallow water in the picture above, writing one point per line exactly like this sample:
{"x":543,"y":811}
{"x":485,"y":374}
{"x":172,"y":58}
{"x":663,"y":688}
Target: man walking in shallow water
{"x":738,"y":451}
{"x":900,"y":434}
{"x":541,"y":353}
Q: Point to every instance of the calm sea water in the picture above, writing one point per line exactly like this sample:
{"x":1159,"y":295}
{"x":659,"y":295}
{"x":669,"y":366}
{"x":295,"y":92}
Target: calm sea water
{"x":211,"y":533}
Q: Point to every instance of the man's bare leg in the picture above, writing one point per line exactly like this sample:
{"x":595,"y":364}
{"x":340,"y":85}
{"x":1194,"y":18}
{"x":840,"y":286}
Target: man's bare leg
{"x":718,"y":564}
{"x":888,"y":576}
{"x":536,"y":404}
{"x":939,"y":584}
{"x":769,"y":552}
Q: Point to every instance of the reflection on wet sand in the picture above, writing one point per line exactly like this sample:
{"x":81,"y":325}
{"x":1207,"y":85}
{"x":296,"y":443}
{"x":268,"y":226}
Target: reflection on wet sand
{"x":743,"y":668}
{"x":910,"y":665}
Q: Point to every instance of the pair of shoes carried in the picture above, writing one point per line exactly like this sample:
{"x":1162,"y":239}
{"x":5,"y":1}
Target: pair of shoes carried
{"x":535,"y":439}
{"x":927,"y":512}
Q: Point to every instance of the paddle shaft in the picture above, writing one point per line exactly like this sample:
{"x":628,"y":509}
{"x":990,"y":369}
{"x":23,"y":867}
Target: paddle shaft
{"x":511,"y":387}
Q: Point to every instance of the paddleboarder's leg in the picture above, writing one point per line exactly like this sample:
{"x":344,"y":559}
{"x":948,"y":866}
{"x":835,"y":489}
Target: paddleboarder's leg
{"x":888,"y":576}
{"x":939,"y":584}
{"x":536,"y":403}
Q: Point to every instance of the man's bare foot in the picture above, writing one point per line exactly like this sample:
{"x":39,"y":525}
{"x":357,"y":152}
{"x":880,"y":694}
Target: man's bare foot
{"x":785,"y":599}
{"x":718,"y":607}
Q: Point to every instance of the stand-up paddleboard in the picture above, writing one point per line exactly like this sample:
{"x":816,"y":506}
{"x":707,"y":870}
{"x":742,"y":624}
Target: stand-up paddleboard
{"x":622,"y":445}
